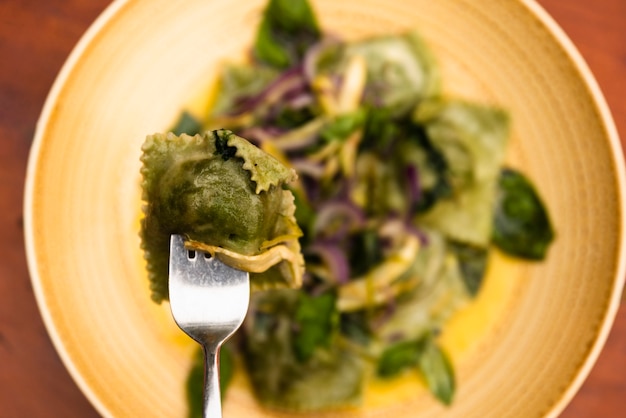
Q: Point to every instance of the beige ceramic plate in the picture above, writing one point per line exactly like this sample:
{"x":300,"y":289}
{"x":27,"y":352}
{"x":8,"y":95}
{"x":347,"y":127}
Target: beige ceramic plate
{"x":143,"y":59}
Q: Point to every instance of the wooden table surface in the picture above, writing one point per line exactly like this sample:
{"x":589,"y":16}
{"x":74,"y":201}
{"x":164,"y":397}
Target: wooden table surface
{"x":35,"y":38}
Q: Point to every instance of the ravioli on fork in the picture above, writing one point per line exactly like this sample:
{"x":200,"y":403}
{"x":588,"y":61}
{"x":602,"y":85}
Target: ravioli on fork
{"x":226,"y":197}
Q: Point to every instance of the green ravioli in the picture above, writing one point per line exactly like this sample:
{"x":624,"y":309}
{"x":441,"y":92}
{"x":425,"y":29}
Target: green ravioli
{"x":226,"y":197}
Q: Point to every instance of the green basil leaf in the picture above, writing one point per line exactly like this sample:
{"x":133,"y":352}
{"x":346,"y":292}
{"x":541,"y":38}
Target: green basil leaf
{"x":331,"y":377}
{"x":288,"y":29}
{"x":431,"y":361}
{"x":437,"y":370}
{"x":472,"y":140}
{"x":343,"y":125}
{"x":227,"y":367}
{"x":194,"y":385}
{"x":316,"y":319}
{"x":187,"y":124}
{"x":472,"y":262}
{"x":238,"y":82}
{"x":398,"y":357}
{"x":521,"y":224}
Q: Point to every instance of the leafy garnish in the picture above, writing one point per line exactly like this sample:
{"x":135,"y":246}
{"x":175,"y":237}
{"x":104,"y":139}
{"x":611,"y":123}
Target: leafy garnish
{"x":194,"y":386}
{"x":187,"y":124}
{"x":437,"y":370}
{"x":288,"y":29}
{"x":343,"y":125}
{"x":472,"y":262}
{"x":521,"y":223}
{"x":426,"y":356}
{"x":472,"y":138}
{"x":398,"y":358}
{"x":329,"y":377}
{"x":365,"y":251}
{"x":316,"y":320}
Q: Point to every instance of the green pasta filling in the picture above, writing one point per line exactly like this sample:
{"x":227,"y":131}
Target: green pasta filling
{"x":216,"y":189}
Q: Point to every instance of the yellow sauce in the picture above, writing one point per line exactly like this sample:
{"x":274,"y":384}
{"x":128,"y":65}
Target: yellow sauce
{"x":202,"y":101}
{"x":463,"y":332}
{"x":460,"y":337}
{"x":470,"y":324}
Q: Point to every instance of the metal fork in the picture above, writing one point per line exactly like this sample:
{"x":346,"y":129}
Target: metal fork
{"x":209,"y":301}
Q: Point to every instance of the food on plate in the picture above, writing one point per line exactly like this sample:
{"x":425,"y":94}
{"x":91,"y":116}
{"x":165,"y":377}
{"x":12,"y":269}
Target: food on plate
{"x":226,"y":197}
{"x":401,"y":195}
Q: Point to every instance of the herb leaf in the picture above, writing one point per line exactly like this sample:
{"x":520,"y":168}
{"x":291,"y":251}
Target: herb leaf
{"x":187,"y":124}
{"x":330,"y":377}
{"x":437,"y":370}
{"x":398,"y":357}
{"x":343,"y":125}
{"x":432,"y":362}
{"x":287,"y":30}
{"x":472,"y":262}
{"x":315,"y":320}
{"x":521,"y":224}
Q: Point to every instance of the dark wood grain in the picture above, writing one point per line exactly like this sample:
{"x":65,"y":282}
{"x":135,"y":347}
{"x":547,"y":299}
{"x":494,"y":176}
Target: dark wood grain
{"x":36,"y":37}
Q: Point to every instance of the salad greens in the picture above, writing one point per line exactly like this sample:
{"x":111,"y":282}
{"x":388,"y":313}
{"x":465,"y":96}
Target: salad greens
{"x":428,"y":358}
{"x":400,"y":197}
{"x":287,"y":372}
{"x":287,"y":31}
{"x":522,"y":226}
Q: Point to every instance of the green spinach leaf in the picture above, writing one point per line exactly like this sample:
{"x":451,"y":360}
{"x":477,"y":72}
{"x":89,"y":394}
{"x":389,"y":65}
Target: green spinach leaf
{"x":398,"y":357}
{"x":437,"y":370}
{"x":343,"y":125}
{"x":472,"y":262}
{"x":329,"y":378}
{"x":187,"y":124}
{"x":426,"y":356}
{"x":521,"y":224}
{"x":316,"y":320}
{"x":288,"y":29}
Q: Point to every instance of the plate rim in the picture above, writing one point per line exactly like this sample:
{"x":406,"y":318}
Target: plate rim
{"x":73,"y":59}
{"x":617,"y":154}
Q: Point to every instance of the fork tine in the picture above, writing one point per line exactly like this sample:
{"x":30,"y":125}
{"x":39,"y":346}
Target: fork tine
{"x":178,"y":253}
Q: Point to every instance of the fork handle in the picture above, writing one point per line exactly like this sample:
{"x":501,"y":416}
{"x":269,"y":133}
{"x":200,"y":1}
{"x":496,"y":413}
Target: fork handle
{"x":212,"y":393}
